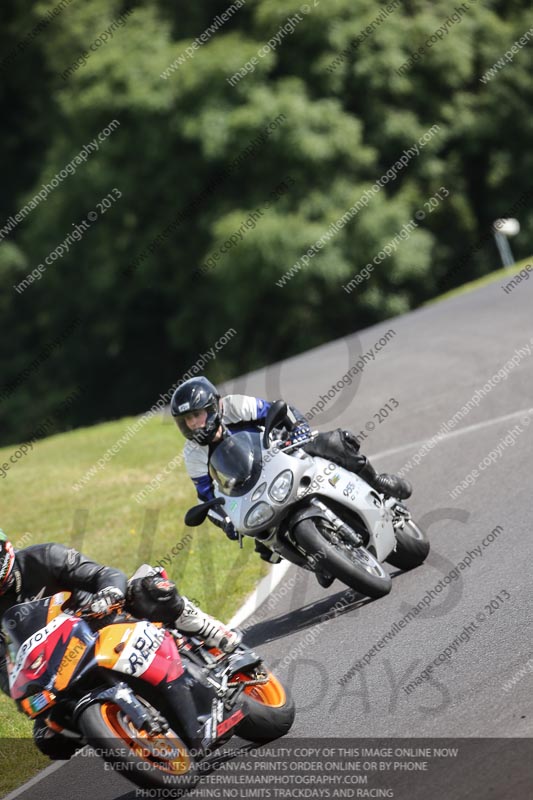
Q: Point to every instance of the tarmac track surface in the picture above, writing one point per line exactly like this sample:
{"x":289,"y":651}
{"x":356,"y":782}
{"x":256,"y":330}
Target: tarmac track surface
{"x":433,"y":363}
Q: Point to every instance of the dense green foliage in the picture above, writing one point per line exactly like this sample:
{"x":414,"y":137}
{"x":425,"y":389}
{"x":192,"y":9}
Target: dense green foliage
{"x":193,"y":157}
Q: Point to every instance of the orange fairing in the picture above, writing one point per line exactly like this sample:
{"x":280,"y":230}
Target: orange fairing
{"x":56,"y":605}
{"x":107,"y":646}
{"x":69,"y":662}
{"x":140,"y":649}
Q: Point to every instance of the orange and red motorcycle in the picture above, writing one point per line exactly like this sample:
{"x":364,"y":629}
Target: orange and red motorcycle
{"x":150,"y":701}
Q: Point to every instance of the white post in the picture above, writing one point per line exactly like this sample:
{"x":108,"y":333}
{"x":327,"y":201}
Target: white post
{"x":503,"y":228}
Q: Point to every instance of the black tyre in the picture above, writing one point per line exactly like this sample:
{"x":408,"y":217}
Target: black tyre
{"x":354,"y":566}
{"x":153,"y":761}
{"x":268,"y":708}
{"x":412,"y":547}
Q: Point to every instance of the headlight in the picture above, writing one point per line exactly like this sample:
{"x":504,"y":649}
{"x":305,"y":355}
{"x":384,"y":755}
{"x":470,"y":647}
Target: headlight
{"x":258,"y":515}
{"x":280,"y":488}
{"x":37,"y":663}
{"x":258,"y":492}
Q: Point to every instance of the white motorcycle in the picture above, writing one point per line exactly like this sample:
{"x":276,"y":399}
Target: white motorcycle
{"x":311,"y":511}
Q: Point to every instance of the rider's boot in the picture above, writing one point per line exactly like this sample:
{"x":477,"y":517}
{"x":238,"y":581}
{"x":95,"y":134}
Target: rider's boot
{"x":52,"y":743}
{"x":266,"y":553}
{"x":324,"y":578}
{"x":214,"y":633}
{"x":390,"y":485}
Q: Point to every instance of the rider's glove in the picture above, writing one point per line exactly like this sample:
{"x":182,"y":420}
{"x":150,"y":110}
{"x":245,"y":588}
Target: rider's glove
{"x":301,"y":432}
{"x":229,"y":530}
{"x":105,"y":599}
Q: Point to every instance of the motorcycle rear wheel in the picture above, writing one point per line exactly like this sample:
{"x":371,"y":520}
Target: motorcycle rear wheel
{"x":154,"y":761}
{"x":268,"y":708}
{"x":354,"y":566}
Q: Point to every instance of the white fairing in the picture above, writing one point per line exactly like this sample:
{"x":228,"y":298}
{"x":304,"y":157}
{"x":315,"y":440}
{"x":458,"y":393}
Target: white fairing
{"x":322,"y":479}
{"x":141,"y":644}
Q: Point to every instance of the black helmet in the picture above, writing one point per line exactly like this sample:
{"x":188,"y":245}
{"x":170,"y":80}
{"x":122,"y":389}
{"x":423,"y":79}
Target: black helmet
{"x":7,"y":561}
{"x":194,"y":395}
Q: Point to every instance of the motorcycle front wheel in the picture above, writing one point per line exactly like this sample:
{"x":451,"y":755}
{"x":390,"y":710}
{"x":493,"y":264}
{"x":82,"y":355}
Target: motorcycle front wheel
{"x":354,"y":566}
{"x":149,"y":760}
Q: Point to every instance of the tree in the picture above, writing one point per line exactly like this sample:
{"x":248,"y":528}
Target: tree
{"x":230,"y":141}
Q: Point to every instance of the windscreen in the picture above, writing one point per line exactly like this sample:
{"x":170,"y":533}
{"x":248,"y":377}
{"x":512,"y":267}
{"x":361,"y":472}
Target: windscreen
{"x":235,"y":464}
{"x":22,"y":620}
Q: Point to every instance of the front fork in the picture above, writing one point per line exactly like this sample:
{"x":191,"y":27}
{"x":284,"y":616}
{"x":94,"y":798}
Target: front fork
{"x":123,"y":696}
{"x":319,"y":510}
{"x":341,"y":529}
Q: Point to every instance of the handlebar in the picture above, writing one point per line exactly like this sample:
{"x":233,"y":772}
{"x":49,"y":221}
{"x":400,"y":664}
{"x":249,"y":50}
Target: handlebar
{"x":85,"y":612}
{"x":286,"y":445}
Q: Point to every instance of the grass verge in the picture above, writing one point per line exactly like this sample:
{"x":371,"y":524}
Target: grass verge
{"x":504,"y":275}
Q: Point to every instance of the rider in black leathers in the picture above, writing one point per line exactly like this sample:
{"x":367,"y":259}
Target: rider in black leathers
{"x":42,"y":570}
